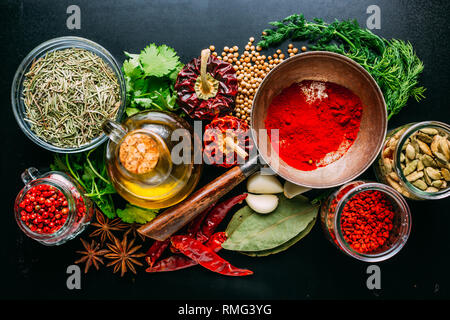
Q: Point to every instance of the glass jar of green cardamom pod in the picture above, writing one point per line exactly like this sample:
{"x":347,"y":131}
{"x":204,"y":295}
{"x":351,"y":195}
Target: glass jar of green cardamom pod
{"x":415,"y":160}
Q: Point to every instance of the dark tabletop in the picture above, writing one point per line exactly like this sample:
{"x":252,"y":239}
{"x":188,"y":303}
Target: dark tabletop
{"x":313,"y":268}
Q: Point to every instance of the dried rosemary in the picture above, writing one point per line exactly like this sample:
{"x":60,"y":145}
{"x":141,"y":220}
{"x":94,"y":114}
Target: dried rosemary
{"x":68,"y":94}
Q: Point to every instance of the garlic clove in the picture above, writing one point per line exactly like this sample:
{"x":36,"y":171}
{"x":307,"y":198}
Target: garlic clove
{"x":264,"y":184}
{"x":291,"y":190}
{"x":262,"y":203}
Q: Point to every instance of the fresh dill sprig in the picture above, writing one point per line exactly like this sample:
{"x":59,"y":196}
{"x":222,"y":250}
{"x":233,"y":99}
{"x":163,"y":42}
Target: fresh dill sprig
{"x":392,"y":63}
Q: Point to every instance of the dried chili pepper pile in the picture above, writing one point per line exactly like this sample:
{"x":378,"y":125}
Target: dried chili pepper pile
{"x":199,"y":246}
{"x":206,"y":87}
{"x":227,"y":139}
{"x":366,"y":221}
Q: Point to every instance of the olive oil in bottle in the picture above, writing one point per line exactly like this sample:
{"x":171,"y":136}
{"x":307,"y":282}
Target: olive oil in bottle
{"x":139,"y":159}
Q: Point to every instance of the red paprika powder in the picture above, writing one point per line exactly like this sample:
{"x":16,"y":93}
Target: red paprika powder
{"x":317,"y":122}
{"x":366,"y":221}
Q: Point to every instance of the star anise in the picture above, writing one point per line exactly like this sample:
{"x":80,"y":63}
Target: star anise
{"x":91,"y":255}
{"x":124,"y":256}
{"x":132,"y":229}
{"x":106,"y":226}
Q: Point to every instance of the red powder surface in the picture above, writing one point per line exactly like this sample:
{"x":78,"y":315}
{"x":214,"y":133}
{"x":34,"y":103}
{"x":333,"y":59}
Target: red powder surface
{"x":316,"y":126}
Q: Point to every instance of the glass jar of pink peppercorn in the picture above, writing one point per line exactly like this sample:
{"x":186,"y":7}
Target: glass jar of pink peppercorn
{"x":52,"y":208}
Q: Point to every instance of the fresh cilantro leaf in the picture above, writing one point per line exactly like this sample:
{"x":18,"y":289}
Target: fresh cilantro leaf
{"x":131,"y":55}
{"x":158,"y":84}
{"x":172,"y":101}
{"x":140,"y":86}
{"x":129,"y":86}
{"x":133,"y":214}
{"x":174,"y":74}
{"x":132,"y":69}
{"x":106,"y":207}
{"x":145,"y":103}
{"x":58,"y":164}
{"x":150,"y":78}
{"x":158,"y":61}
{"x":130,"y":111}
{"x":88,"y":174}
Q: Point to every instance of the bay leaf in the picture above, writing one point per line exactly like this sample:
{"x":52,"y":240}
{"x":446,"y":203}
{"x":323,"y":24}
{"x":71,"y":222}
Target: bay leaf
{"x":251,"y":231}
{"x":237,"y":219}
{"x":285,"y":245}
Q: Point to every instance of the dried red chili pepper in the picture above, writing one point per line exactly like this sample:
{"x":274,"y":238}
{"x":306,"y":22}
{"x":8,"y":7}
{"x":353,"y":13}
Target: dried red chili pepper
{"x":206,"y":87}
{"x":202,"y":229}
{"x":172,"y":263}
{"x":195,"y":225}
{"x":155,"y":251}
{"x":225,"y":139}
{"x":206,"y":257}
{"x":216,"y":216}
{"x":216,"y":240}
{"x":177,"y":262}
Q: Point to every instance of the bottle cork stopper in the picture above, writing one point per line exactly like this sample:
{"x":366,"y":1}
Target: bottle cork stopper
{"x":138,"y":153}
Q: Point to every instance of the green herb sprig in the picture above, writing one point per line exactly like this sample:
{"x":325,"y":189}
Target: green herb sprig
{"x":392,"y":63}
{"x":150,"y":77}
{"x":89,"y":169}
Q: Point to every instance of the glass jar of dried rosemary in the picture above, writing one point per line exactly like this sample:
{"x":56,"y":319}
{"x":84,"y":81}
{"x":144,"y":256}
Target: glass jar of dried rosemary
{"x":63,"y":91}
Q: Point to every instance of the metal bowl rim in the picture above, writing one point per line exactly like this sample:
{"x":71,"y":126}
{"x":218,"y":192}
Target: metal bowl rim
{"x":369,"y":78}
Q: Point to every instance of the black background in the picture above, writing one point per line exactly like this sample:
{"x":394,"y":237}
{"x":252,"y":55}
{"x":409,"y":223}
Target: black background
{"x":313,"y":268}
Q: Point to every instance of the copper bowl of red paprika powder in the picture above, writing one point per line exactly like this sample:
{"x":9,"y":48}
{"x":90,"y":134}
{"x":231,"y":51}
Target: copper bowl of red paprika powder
{"x":339,"y":71}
